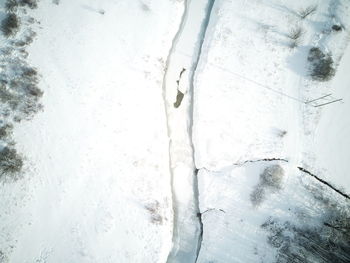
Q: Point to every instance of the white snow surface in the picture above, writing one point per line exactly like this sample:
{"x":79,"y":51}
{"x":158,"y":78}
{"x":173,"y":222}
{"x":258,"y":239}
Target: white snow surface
{"x":97,"y":184}
{"x":250,"y":86}
{"x":96,"y":187}
{"x":331,"y":142}
{"x":249,"y":104}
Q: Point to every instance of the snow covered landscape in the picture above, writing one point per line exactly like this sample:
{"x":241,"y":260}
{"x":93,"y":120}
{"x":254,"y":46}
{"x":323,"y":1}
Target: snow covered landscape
{"x":178,"y":131}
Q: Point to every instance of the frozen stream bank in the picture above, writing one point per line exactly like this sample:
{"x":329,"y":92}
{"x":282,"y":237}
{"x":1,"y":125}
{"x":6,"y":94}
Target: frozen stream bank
{"x":178,"y":88}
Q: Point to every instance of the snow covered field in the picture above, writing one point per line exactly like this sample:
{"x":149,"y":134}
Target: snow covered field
{"x":249,"y":109}
{"x":182,"y":131}
{"x":96,"y":187}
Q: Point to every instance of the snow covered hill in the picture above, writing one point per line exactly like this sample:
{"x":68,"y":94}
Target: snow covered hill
{"x":174,"y":131}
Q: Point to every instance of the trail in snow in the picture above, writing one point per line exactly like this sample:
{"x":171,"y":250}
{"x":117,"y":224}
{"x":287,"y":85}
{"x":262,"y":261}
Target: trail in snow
{"x":178,"y":98}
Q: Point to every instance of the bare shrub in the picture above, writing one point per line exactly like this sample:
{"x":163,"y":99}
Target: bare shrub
{"x":153,"y":209}
{"x":10,"y":161}
{"x":29,"y":38}
{"x":270,"y":181}
{"x":336,"y":28}
{"x":29,"y":74}
{"x":272,"y":176}
{"x":320,"y":243}
{"x":282,"y":133}
{"x":11,"y":5}
{"x":295,"y":35}
{"x":303,"y":13}
{"x":5,"y":94}
{"x":258,"y":195}
{"x":10,"y":25}
{"x":145,"y":7}
{"x":322,"y":236}
{"x":29,"y":3}
{"x":3,"y":257}
{"x":20,"y":43}
{"x":321,"y":64}
{"x":5,"y":131}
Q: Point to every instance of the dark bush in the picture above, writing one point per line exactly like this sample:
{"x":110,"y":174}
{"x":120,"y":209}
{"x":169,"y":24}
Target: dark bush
{"x":10,"y":162}
{"x":11,"y":5}
{"x":321,"y":236}
{"x":29,"y":73}
{"x":5,"y":94}
{"x":5,"y":131}
{"x":321,"y":65}
{"x":20,"y":43}
{"x":10,"y":25}
{"x":336,"y":28}
{"x":308,"y":244}
{"x":30,"y":3}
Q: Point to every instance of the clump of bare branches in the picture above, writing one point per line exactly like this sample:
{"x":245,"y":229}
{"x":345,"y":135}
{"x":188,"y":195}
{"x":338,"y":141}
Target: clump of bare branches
{"x":270,"y":181}
{"x":305,"y":12}
{"x":10,"y":25}
{"x":154,"y":210}
{"x":325,"y":239}
{"x":10,"y":162}
{"x":12,"y":5}
{"x":321,"y":64}
{"x":19,"y":90}
{"x":295,"y":35}
{"x":32,"y":4}
{"x":5,"y":131}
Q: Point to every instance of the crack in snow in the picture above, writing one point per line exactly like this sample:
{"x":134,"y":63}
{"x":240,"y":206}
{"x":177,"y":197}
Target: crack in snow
{"x":245,"y":162}
{"x":323,"y":182}
{"x":205,"y":24}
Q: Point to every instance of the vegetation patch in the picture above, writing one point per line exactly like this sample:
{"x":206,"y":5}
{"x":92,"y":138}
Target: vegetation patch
{"x":316,"y":230}
{"x":326,"y":242}
{"x":270,"y":181}
{"x":303,"y":13}
{"x":321,"y":64}
{"x":12,"y":5}
{"x":11,"y":162}
{"x":10,"y":25}
{"x":19,"y":92}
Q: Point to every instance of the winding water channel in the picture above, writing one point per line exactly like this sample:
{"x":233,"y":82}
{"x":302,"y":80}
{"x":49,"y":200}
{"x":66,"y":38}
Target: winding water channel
{"x":178,"y":87}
